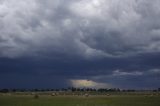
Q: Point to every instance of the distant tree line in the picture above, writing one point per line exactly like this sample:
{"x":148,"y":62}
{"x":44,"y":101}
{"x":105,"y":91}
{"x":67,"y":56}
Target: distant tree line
{"x":73,"y":89}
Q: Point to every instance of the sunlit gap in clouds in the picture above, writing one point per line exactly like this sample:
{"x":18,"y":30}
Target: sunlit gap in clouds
{"x":83,"y":83}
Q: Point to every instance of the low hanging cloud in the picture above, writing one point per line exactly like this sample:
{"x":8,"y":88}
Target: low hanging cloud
{"x":123,"y":73}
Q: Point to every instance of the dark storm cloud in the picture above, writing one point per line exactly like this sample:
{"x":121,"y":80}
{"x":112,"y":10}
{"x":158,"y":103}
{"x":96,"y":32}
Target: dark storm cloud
{"x":80,"y":38}
{"x":138,"y":71}
{"x":100,"y":28}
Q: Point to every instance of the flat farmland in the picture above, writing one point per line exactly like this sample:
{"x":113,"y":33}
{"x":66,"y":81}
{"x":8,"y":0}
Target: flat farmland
{"x":99,"y":100}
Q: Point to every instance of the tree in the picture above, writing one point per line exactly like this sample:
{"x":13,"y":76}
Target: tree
{"x":4,"y":90}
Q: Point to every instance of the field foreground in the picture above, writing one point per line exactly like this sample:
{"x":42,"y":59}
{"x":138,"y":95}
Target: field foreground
{"x":114,"y":100}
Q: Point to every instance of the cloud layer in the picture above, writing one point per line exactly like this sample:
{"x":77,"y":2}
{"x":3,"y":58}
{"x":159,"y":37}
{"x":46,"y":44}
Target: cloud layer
{"x":89,"y":27}
{"x":80,"y":38}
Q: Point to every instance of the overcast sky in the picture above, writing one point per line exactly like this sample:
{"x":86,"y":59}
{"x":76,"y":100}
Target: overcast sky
{"x":80,"y":43}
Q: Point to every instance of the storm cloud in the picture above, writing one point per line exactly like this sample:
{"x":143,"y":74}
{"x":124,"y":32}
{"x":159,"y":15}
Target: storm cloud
{"x":116,"y":42}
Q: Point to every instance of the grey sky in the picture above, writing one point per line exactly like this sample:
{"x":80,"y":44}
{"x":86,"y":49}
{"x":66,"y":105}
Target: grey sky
{"x":120,"y":37}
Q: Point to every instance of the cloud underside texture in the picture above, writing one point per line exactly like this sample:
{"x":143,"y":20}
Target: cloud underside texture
{"x":109,"y":41}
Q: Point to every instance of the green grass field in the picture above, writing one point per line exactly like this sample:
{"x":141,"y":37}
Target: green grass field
{"x":114,"y":100}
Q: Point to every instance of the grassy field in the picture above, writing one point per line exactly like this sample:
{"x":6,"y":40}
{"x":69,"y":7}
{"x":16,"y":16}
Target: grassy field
{"x":114,"y":100}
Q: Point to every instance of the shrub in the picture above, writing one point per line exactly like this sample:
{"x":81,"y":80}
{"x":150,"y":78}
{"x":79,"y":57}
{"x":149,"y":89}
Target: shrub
{"x":36,"y":96}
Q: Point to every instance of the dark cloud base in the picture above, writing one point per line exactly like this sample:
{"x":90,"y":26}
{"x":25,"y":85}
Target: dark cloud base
{"x":33,"y":72}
